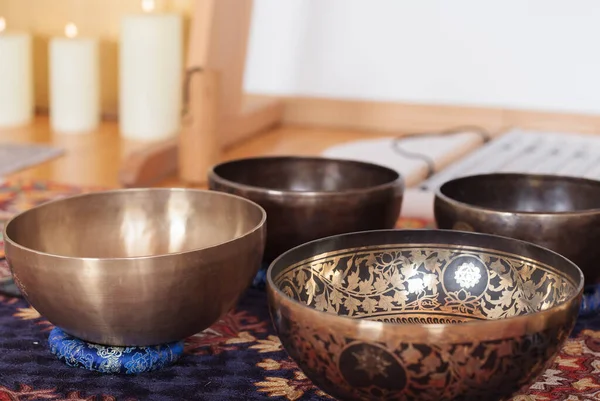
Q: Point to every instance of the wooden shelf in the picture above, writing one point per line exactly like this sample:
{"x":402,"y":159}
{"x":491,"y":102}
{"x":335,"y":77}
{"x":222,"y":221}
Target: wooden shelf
{"x":96,"y":159}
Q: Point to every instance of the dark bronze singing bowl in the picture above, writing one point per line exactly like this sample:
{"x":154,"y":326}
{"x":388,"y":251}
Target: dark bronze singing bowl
{"x":311,"y":197}
{"x":137,"y":266}
{"x":423,"y":314}
{"x":559,"y":213}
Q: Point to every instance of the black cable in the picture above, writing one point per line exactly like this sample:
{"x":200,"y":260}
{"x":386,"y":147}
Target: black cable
{"x":428,"y":160}
{"x":186,"y":88}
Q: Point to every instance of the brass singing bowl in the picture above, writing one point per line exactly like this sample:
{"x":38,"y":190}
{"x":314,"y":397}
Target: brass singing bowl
{"x":312,"y":197}
{"x":559,"y":213}
{"x":423,"y":314}
{"x":136,"y":267}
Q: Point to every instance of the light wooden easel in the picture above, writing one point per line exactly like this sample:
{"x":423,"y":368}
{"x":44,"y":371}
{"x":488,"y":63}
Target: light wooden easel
{"x":217,"y":114}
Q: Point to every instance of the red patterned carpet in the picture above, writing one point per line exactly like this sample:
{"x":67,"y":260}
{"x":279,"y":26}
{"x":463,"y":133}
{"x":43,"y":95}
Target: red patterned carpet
{"x":239,"y":358}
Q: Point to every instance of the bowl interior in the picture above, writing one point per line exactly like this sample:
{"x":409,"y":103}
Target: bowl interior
{"x":305,"y":174}
{"x":417,"y":282}
{"x":525,"y":193}
{"x":133,"y":223}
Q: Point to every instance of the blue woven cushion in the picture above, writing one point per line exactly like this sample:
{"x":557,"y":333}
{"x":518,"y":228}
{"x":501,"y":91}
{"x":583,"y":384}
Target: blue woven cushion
{"x":590,"y":304}
{"x":260,"y":280}
{"x":107,"y":359}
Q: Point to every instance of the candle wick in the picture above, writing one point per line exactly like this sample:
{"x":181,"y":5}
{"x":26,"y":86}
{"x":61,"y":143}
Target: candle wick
{"x":148,"y":5}
{"x":70,"y":30}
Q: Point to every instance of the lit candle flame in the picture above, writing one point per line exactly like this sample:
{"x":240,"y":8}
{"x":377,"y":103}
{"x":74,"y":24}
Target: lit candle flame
{"x":2,"y":24}
{"x":148,"y":5}
{"x":70,"y":30}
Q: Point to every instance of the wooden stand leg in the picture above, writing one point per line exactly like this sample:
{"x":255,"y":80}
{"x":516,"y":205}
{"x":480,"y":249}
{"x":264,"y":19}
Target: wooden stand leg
{"x":199,"y":146}
{"x":149,"y":165}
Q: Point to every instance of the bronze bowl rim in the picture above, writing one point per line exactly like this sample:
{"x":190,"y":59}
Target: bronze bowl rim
{"x":488,"y":323}
{"x":130,"y":190}
{"x":439,"y":194}
{"x":213,"y":175}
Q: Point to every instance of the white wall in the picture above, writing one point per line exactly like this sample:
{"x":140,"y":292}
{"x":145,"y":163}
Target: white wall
{"x":535,"y":54}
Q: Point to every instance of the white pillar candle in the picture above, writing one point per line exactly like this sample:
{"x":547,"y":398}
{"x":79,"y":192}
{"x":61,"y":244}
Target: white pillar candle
{"x":150,"y":75}
{"x":74,"y":83}
{"x":16,"y":78}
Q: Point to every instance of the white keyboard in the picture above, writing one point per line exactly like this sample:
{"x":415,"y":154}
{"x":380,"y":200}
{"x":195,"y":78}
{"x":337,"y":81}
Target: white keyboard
{"x":521,"y":151}
{"x":463,"y":154}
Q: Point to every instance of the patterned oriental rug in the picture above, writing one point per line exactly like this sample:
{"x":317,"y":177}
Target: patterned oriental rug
{"x":239,"y":358}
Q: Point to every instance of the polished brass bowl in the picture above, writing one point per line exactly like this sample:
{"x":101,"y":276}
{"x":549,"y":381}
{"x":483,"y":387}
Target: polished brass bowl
{"x":313,"y":197}
{"x":423,"y":314}
{"x":559,"y":213}
{"x":138,"y":266}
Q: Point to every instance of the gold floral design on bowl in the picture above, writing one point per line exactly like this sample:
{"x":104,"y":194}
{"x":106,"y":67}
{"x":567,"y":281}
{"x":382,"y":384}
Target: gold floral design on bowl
{"x":471,"y":316}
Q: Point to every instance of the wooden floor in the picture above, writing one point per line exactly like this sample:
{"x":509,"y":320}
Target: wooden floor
{"x":95,"y":158}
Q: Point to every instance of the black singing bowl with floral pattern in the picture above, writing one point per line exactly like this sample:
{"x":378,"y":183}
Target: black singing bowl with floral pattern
{"x":424,"y":314}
